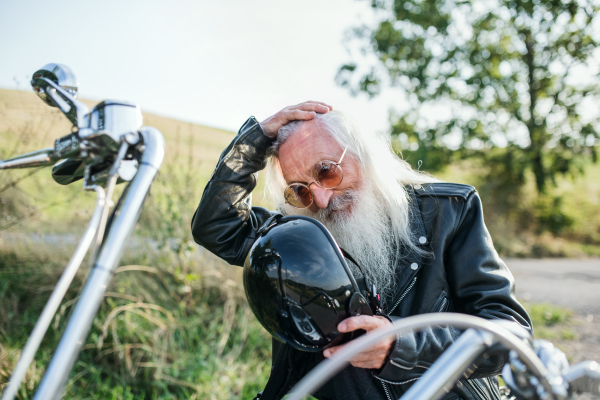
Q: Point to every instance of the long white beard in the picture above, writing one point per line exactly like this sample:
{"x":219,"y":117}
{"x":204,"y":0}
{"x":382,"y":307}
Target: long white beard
{"x":359,"y":222}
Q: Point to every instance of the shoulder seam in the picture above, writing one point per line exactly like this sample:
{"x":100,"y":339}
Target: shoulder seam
{"x":443,"y":189}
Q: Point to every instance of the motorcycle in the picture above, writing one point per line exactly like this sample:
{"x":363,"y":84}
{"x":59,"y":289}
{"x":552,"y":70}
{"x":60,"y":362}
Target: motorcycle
{"x":108,"y":146}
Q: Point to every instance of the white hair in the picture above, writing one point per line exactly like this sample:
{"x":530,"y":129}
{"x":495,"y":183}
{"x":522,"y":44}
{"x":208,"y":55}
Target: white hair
{"x":383,"y":174}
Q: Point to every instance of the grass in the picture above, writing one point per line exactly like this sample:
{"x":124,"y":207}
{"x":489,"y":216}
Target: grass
{"x":159,"y":334}
{"x":551,"y":322}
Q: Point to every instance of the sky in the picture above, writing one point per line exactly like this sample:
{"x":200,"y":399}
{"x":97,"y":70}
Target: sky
{"x":210,"y":62}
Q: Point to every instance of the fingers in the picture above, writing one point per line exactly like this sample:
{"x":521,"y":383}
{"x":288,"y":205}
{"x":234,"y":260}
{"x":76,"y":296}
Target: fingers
{"x":382,"y":346}
{"x":331,"y":351}
{"x":300,"y":112}
{"x":374,"y":357}
{"x":316,"y":106}
{"x":304,"y":111}
{"x":295,"y":115}
{"x":366,"y":322}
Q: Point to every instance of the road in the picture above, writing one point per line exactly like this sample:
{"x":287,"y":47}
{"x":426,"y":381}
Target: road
{"x":569,"y":283}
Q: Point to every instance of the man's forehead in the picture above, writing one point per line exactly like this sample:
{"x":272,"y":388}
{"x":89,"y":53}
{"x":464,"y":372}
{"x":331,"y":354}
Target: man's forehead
{"x":306,"y":147}
{"x":311,"y":135}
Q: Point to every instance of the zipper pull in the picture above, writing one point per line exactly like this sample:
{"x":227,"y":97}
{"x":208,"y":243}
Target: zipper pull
{"x":375,"y":301}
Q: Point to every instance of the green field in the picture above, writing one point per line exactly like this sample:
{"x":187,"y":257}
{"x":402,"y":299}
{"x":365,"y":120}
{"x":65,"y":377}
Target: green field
{"x":175,"y":322}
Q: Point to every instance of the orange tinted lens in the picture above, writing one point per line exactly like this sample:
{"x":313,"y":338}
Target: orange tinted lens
{"x":298,"y":195}
{"x":328,"y":174}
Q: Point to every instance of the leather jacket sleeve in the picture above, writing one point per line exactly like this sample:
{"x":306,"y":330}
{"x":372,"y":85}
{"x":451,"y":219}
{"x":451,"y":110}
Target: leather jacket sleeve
{"x":225,"y":223}
{"x":480,"y":285}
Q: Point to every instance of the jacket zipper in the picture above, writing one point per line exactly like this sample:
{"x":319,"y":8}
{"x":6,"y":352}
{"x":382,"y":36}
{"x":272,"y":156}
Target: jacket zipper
{"x":403,"y":295}
{"x":386,"y":390}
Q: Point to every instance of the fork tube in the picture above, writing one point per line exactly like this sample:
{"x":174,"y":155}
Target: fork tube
{"x":444,"y":373}
{"x":53,"y":303}
{"x":109,"y":256}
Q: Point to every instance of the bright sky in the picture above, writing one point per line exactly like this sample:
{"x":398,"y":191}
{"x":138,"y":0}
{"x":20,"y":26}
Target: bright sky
{"x":210,"y":62}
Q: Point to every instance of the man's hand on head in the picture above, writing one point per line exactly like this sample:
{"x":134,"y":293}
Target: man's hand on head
{"x":303,"y":111}
{"x":375,"y":356}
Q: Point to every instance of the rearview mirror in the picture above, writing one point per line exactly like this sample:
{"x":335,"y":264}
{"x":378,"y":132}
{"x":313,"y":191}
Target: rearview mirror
{"x":57,"y":86}
{"x":60,"y":74}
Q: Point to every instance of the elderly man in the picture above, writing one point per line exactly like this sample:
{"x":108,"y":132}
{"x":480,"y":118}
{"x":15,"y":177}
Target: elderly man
{"x":423,"y":242}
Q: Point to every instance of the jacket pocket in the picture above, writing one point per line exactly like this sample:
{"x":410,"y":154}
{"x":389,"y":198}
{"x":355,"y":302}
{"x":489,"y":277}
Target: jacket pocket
{"x":441,"y":304}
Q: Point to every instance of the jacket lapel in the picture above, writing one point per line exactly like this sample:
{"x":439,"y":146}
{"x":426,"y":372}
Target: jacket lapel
{"x":411,"y":262}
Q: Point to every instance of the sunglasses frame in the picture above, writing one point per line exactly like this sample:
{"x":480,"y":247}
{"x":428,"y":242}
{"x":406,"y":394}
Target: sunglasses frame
{"x":307,"y":185}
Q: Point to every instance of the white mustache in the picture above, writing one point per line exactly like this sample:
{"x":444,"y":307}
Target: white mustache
{"x":339,"y":203}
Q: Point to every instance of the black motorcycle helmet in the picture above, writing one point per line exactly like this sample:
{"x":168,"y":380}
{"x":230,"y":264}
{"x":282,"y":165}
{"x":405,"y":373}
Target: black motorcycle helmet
{"x":299,"y":285}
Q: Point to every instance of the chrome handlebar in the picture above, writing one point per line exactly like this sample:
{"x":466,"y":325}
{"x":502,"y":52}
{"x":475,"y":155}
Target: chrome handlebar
{"x":538,"y":364}
{"x":109,"y":145}
{"x":38,"y":158}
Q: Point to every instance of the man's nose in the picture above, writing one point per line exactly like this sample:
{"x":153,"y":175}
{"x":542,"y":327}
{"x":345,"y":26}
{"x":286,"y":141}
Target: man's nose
{"x":321,"y":196}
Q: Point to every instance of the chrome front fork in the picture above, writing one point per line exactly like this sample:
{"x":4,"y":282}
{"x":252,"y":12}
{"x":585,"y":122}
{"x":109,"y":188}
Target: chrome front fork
{"x":103,"y":270}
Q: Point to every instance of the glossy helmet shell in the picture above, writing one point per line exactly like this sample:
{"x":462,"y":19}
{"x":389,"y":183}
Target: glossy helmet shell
{"x":299,"y":285}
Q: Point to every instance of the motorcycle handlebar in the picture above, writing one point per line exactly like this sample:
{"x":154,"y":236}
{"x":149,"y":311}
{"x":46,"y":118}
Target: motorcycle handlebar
{"x":38,"y":158}
{"x":66,"y":146}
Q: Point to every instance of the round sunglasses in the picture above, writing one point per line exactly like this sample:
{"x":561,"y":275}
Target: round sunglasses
{"x":326,"y":174}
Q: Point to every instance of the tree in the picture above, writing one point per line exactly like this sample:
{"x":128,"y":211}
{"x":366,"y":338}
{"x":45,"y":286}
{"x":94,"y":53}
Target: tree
{"x":506,"y":80}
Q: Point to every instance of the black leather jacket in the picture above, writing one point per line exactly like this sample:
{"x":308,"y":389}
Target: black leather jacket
{"x":460,"y":272}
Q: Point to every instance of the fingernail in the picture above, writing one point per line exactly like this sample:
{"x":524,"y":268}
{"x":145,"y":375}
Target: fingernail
{"x":327,"y":353}
{"x":342,"y":327}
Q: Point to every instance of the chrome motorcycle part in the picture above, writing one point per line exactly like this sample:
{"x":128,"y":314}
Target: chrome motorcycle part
{"x":328,"y":368}
{"x":57,"y":86}
{"x":451,"y":365}
{"x":55,"y":299}
{"x":103,"y":270}
{"x":110,"y":187}
{"x":114,"y":149}
{"x":114,"y":119}
{"x":524,"y":385}
{"x":37,"y":158}
{"x":584,"y":378}
{"x":60,"y":74}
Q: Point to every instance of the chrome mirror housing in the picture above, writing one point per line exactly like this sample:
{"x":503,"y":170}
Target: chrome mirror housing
{"x":60,"y":74}
{"x":57,"y":86}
